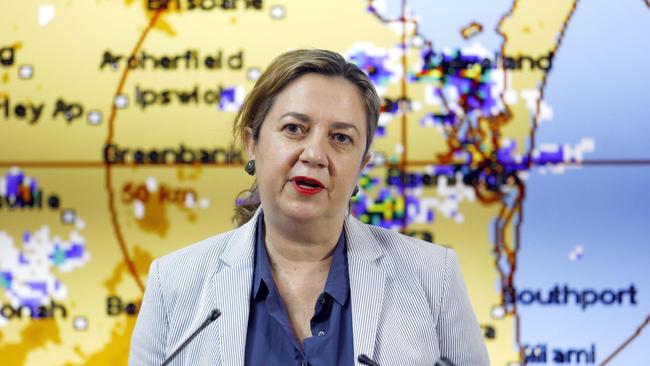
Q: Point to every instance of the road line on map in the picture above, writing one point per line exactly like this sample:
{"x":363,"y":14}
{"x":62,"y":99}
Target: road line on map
{"x":522,"y":191}
{"x":627,"y":342}
{"x":499,"y":241}
{"x":107,"y":169}
{"x":410,"y":163}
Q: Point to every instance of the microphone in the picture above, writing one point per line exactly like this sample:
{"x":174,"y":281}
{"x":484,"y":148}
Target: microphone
{"x":212,"y":317}
{"x":444,"y":362}
{"x":365,"y":360}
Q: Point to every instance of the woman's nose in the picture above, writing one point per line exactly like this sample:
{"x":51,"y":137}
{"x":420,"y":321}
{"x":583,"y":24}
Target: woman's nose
{"x":315,"y":151}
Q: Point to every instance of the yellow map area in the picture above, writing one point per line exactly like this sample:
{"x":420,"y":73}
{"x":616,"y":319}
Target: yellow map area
{"x":146,"y":208}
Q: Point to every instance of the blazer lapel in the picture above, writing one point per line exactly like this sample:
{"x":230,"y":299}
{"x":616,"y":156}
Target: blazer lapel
{"x":367,"y":282}
{"x":233,"y":290}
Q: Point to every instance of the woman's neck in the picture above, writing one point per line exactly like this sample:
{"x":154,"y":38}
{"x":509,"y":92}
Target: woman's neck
{"x":301,"y":242}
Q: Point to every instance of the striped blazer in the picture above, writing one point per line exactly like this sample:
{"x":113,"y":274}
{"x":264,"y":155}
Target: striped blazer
{"x":409,"y":301}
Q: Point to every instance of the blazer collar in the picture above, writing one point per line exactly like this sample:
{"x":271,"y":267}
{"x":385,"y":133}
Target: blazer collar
{"x":361,"y":243}
{"x":233,"y":283}
{"x":241,"y":246}
{"x":367,"y":285}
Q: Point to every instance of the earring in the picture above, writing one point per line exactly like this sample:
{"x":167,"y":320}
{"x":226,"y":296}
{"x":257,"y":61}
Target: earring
{"x":250,"y":167}
{"x":356,"y":191}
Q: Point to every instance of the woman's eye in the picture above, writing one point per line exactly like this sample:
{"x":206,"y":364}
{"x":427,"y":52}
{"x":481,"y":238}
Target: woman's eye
{"x":292,"y":128}
{"x":341,"y":138}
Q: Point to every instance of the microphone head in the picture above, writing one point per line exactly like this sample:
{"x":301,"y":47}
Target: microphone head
{"x":365,"y":360}
{"x":214,"y":315}
{"x":444,"y":362}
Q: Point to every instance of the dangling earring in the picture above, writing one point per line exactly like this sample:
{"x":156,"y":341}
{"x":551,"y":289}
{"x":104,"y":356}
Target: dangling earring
{"x":356,"y":191}
{"x":250,"y":167}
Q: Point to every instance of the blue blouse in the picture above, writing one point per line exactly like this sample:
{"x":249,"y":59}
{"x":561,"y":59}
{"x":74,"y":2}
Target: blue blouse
{"x":270,"y":339}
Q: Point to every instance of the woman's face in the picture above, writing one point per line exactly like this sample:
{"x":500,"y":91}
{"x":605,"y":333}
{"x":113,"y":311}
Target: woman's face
{"x":310,"y":149}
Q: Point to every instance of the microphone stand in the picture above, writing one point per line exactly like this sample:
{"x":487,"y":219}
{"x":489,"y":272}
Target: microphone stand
{"x":212,"y":317}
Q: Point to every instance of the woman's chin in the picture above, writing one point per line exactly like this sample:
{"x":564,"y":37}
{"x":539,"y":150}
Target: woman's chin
{"x":303,"y":211}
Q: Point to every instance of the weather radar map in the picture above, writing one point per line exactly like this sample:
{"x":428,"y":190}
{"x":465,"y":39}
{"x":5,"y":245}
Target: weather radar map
{"x":513,"y":131}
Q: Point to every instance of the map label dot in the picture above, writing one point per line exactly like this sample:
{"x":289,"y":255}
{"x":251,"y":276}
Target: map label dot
{"x":121,"y":101}
{"x":80,"y":323}
{"x":95,"y":117}
{"x":278,"y":12}
{"x":25,"y":72}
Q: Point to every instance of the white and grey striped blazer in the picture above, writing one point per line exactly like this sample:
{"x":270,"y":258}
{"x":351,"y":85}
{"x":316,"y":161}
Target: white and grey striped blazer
{"x":409,"y":301}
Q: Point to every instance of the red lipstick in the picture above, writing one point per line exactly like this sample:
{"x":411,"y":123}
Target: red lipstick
{"x":307,"y":186}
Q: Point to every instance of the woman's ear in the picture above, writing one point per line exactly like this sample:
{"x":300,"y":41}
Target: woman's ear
{"x":249,"y":143}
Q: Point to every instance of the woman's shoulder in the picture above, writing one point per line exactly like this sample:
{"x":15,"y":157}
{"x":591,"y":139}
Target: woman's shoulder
{"x":194,"y":263}
{"x":203,"y":250}
{"x":398,"y":245}
{"x":410,"y":260}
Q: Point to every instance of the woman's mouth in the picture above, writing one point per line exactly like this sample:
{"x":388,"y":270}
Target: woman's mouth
{"x":307,"y":186}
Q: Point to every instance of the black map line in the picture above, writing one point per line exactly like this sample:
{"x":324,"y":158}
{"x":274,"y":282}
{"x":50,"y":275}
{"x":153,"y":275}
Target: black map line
{"x":411,"y":163}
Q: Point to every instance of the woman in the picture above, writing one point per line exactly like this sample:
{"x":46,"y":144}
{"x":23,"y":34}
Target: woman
{"x":301,"y":282}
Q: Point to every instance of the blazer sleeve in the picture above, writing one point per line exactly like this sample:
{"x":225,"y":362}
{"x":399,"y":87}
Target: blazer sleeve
{"x":461,"y":340}
{"x":150,"y":333}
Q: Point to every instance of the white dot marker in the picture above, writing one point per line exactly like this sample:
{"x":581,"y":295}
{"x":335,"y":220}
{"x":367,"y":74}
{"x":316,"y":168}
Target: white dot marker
{"x":80,"y":323}
{"x":278,"y":12}
{"x":498,"y":312}
{"x":253,"y":73}
{"x":3,"y":186}
{"x":121,"y":101}
{"x":94,"y":117}
{"x":68,"y":217}
{"x":138,"y":209}
{"x":418,"y":42}
{"x":152,"y":184}
{"x":190,"y":200}
{"x":45,"y":14}
{"x":25,"y":71}
{"x":576,"y":253}
{"x":379,"y":159}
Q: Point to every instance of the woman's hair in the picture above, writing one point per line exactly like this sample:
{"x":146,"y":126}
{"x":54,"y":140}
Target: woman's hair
{"x":282,"y":71}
